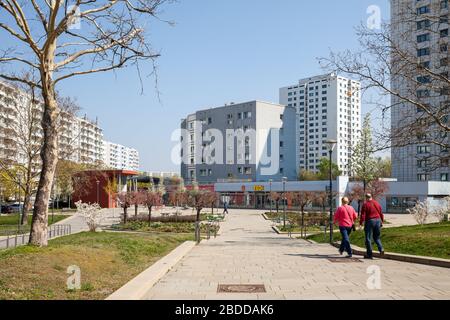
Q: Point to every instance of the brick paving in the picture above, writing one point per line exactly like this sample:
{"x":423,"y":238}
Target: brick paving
{"x":249,"y":252}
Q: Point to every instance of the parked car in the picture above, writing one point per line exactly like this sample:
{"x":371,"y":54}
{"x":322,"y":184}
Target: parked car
{"x":16,"y":207}
{"x":6,"y":209}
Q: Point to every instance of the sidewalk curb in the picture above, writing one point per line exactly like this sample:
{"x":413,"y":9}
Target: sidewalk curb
{"x":429,"y":261}
{"x":139,"y":287}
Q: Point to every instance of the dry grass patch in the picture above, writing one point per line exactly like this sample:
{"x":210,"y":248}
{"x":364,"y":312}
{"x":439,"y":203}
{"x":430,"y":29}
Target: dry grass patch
{"x":107,"y":261}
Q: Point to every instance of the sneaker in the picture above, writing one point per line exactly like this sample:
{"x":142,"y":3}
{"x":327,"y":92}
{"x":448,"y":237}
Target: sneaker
{"x":341,"y":252}
{"x":368,"y":257}
{"x":382,"y":252}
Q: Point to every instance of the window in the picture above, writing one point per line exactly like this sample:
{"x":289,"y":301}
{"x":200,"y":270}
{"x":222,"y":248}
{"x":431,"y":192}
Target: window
{"x":444,"y":176}
{"x":443,"y":47}
{"x":422,"y":177}
{"x":423,"y":149}
{"x":424,"y":79}
{"x":248,"y":170}
{"x":444,"y":4}
{"x":209,"y":120}
{"x":443,"y":33}
{"x":423,"y":52}
{"x":423,"y":37}
{"x":240,"y":116}
{"x":423,"y":10}
{"x":423,"y":24}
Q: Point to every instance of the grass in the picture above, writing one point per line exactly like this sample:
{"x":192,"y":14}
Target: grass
{"x":9,"y":223}
{"x":107,"y":261}
{"x":432,"y":240}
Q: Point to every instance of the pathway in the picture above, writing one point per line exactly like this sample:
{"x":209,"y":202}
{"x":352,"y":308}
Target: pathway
{"x":249,"y":252}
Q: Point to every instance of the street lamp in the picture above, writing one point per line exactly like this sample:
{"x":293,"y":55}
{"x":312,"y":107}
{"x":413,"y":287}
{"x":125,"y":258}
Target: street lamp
{"x":98,"y":192}
{"x":284,"y":201}
{"x":19,"y":213}
{"x":270,"y":194}
{"x":331,"y":144}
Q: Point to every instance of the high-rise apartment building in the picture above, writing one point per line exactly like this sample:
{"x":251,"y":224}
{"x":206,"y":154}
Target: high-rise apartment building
{"x":80,"y":139}
{"x":327,"y":107}
{"x":119,"y":157}
{"x":251,"y":141}
{"x":419,"y":32}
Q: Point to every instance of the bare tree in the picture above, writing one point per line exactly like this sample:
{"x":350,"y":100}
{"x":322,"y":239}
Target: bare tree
{"x":63,"y":39}
{"x":406,"y":64}
{"x":151,"y":199}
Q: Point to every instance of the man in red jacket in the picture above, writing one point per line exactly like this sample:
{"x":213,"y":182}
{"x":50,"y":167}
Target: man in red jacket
{"x":372,"y":218}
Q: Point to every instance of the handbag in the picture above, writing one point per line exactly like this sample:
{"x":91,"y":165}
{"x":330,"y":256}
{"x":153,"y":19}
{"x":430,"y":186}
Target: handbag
{"x":353,"y":225}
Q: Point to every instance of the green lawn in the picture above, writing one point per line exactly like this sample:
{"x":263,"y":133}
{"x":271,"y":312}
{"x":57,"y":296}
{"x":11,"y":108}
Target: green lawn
{"x":107,"y":261}
{"x":8,"y":223}
{"x":431,"y":240}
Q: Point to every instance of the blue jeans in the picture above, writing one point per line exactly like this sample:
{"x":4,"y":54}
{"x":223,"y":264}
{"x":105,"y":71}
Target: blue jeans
{"x":372,"y":228}
{"x":345,"y":243}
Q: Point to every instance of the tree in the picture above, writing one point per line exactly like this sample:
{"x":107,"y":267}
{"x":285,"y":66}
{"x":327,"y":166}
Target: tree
{"x":303,"y":199}
{"x":306,"y":175}
{"x":151,"y":199}
{"x":125,"y":200}
{"x":394,"y":65}
{"x":383,"y":168}
{"x":420,"y":212}
{"x":275,"y":197}
{"x":47,"y":41}
{"x":324,"y":170}
{"x":198,"y":199}
{"x":364,"y":166}
{"x":137,"y":198}
{"x":92,"y":214}
{"x":322,"y":198}
{"x":442,"y":211}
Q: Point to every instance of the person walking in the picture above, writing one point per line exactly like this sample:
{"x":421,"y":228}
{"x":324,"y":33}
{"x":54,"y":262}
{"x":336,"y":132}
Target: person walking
{"x":345,"y":218}
{"x":225,"y":207}
{"x":372,"y":218}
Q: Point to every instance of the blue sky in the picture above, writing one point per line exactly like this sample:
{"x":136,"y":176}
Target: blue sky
{"x":218,"y":52}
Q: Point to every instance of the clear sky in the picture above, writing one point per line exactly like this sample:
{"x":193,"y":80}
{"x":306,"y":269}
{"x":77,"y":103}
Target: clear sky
{"x":217,"y":52}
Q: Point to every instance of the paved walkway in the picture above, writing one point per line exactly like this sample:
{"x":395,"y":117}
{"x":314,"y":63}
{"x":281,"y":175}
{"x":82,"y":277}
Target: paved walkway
{"x":248,"y":252}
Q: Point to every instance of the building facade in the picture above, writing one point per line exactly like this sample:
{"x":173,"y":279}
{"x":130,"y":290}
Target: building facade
{"x":119,"y":157}
{"x":80,"y":139}
{"x":252,"y":141}
{"x":419,"y":30}
{"x":327,"y":107}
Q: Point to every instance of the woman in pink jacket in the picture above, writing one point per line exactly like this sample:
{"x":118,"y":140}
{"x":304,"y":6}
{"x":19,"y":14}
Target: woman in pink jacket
{"x":345,"y":217}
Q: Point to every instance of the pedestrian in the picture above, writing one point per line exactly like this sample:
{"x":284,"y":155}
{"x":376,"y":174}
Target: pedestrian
{"x":225,"y":207}
{"x":345,"y":217}
{"x":372,"y":218}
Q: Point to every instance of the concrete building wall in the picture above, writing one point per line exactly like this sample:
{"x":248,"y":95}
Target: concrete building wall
{"x":244,"y":133}
{"x":404,"y":17}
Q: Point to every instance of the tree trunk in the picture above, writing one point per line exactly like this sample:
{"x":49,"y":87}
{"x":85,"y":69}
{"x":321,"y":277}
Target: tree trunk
{"x":26,"y":205}
{"x":125,"y":215}
{"x":197,"y":227}
{"x":149,"y":216}
{"x":49,"y":152}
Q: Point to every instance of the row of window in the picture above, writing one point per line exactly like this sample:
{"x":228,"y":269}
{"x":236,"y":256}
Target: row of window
{"x":426,"y":177}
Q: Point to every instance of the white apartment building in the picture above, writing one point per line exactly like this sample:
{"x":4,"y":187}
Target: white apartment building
{"x":328,"y":107}
{"x":80,"y":139}
{"x":119,"y":157}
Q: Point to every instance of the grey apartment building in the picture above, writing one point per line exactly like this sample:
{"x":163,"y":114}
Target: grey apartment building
{"x":251,"y":141}
{"x":420,"y":32}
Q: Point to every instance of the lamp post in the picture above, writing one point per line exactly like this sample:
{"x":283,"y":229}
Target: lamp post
{"x":98,"y":192}
{"x":284,"y":202}
{"x":331,"y":144}
{"x":270,"y":194}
